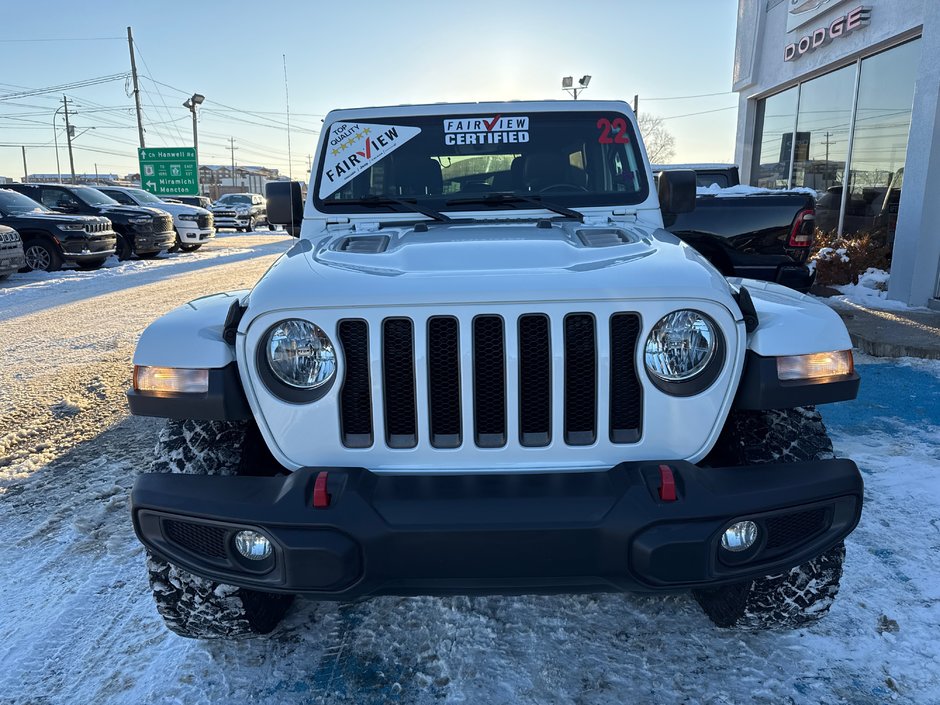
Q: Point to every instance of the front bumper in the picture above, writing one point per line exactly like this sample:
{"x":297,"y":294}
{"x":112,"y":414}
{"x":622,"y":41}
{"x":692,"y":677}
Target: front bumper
{"x":479,"y":534}
{"x":236,"y":221}
{"x":195,"y":234}
{"x":96,"y":246}
{"x":11,"y":260}
{"x":154,"y":241}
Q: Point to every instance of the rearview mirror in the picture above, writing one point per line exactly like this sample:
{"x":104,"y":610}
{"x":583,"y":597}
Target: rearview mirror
{"x":285,"y":205}
{"x":676,"y":193}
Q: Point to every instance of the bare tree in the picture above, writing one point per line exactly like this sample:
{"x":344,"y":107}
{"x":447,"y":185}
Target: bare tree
{"x":660,"y":143}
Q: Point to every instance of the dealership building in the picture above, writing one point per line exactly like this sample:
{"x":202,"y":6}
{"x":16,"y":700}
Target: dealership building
{"x":841,"y":96}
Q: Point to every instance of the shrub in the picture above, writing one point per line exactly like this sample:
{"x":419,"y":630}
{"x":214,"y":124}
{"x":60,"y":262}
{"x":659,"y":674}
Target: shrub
{"x":842,"y":259}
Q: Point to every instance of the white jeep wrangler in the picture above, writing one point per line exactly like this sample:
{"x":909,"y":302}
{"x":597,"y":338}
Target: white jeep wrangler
{"x":485,"y":368}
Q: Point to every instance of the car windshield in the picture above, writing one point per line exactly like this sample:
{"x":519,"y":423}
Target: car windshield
{"x":15,"y":203}
{"x":234,"y":199}
{"x":94,"y":197}
{"x":142,"y":196}
{"x":483,"y":162}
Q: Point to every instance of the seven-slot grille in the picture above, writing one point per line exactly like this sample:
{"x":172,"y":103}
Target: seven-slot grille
{"x":440,"y":363}
{"x":97,"y":227}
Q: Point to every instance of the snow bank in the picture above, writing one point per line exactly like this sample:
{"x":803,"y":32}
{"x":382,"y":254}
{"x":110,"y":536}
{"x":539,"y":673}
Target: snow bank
{"x":871,"y":291}
{"x":743,"y":190}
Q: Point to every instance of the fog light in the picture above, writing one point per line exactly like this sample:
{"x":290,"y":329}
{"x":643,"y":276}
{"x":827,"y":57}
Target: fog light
{"x":252,"y":545}
{"x":740,"y":536}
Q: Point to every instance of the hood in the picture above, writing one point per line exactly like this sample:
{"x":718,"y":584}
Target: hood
{"x":181,"y":208}
{"x":488,"y":263}
{"x":53,"y":218}
{"x":132,"y":211}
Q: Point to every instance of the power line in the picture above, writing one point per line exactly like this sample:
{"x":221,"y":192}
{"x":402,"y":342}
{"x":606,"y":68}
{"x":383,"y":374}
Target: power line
{"x":65,"y":86}
{"x":687,"y":97}
{"x":701,"y":112}
{"x":162,"y":99}
{"x":63,"y":39}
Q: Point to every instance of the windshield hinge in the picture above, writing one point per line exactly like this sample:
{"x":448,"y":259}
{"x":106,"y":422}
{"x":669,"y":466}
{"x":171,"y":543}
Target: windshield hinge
{"x":337,"y":221}
{"x":366,"y":226}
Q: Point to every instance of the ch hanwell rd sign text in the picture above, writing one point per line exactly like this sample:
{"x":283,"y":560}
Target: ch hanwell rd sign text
{"x":169,"y":171}
{"x":839,"y":27}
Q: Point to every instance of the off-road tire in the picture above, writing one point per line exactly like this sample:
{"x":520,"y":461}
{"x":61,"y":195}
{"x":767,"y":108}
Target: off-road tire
{"x":191,"y":606}
{"x":804,"y":594}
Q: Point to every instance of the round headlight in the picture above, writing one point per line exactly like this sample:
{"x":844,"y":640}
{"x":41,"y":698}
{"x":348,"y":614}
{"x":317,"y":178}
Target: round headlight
{"x":300,"y":354}
{"x":681,"y":345}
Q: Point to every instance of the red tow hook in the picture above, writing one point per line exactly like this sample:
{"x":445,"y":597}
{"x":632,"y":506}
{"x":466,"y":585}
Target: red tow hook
{"x":321,"y":498}
{"x":667,"y":484}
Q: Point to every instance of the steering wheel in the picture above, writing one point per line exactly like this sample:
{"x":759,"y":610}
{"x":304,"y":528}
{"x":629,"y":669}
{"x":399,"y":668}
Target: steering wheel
{"x":566,"y":187}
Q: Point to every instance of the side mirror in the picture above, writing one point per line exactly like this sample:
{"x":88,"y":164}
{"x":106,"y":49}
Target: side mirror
{"x":285,"y":205}
{"x":676,"y":192}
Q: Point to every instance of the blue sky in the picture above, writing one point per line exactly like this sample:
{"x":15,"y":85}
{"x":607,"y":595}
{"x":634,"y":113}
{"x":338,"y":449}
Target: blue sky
{"x":345,"y":55}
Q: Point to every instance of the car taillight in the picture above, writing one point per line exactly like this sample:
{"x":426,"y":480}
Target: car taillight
{"x":804,"y":227}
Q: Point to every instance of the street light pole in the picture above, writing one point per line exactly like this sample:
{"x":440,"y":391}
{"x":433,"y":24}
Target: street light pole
{"x":191,"y":103}
{"x":55,"y":137}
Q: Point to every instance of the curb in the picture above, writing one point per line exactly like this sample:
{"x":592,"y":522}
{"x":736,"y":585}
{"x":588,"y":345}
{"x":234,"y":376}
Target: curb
{"x":878,"y":348}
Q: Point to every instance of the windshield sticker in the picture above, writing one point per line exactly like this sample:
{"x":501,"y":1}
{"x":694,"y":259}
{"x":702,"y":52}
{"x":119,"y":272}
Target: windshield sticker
{"x":619,"y":128}
{"x":486,"y":130}
{"x":353,"y":147}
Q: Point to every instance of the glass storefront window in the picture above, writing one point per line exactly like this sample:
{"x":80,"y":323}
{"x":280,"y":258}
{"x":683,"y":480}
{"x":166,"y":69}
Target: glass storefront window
{"x":824,"y":106}
{"x":775,"y":119}
{"x":822,"y":140}
{"x":882,"y":123}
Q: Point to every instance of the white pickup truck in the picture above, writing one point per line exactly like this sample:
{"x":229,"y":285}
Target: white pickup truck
{"x":193,"y":225}
{"x":484,"y":367}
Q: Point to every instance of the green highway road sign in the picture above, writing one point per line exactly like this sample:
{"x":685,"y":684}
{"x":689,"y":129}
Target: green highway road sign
{"x":169,"y":171}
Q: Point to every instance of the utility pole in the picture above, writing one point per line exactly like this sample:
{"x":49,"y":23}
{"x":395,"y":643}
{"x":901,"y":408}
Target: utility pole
{"x":233,"y":148}
{"x":636,"y":105}
{"x":68,"y":136}
{"x":140,"y":122}
{"x":308,"y":163}
{"x":25,"y":170}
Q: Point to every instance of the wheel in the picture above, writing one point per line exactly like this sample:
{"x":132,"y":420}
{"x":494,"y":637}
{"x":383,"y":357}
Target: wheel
{"x":90,"y":264}
{"x":804,"y":594}
{"x":123,"y":248}
{"x":43,"y":257}
{"x":177,"y":246}
{"x":191,"y":248}
{"x":149,"y":255}
{"x":194,"y":607}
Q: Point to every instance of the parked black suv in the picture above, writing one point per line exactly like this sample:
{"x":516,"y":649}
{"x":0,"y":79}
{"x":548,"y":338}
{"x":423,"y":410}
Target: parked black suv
{"x":141,"y":231}
{"x":49,"y":238}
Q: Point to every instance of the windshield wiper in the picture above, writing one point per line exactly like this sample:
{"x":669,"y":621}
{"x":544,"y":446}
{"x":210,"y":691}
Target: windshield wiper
{"x":495,"y":199}
{"x":378,"y":201}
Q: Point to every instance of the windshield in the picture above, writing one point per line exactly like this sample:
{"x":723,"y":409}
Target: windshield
{"x":144,"y":196}
{"x":15,"y":203}
{"x":570,"y":159}
{"x":93,"y":197}
{"x":231,"y":199}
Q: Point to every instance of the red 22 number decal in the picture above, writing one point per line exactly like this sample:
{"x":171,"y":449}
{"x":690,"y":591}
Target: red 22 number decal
{"x":619,"y":125}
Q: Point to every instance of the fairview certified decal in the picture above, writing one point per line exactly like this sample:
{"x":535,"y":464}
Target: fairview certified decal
{"x":353,"y":147}
{"x":486,"y":130}
{"x":839,"y":27}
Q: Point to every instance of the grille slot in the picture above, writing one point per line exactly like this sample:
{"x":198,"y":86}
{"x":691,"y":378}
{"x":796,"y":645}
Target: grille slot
{"x":205,"y":540}
{"x":398,"y":369}
{"x":489,"y":379}
{"x":355,"y":397}
{"x":580,"y":380}
{"x":444,"y":381}
{"x":535,"y":381}
{"x":792,"y":529}
{"x":626,"y":395}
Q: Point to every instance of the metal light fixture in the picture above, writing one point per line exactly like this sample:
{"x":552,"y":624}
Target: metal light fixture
{"x":567,"y":84}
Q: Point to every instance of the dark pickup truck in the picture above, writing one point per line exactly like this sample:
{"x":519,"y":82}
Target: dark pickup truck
{"x":745,"y":232}
{"x":142,"y":231}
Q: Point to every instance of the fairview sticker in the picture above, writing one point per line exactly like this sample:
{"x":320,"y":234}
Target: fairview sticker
{"x":353,"y":147}
{"x":486,"y":130}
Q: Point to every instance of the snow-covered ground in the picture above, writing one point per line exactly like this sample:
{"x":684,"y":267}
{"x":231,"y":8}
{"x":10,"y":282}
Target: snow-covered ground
{"x":77,"y":623}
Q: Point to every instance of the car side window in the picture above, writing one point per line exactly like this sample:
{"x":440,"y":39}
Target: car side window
{"x":121,"y":197}
{"x":55,"y":199}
